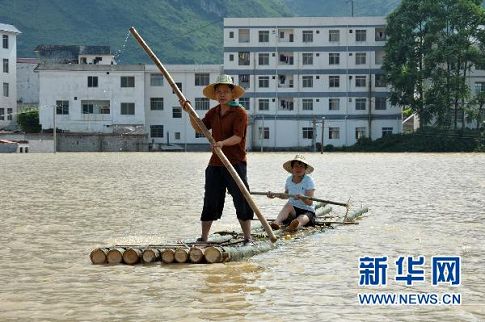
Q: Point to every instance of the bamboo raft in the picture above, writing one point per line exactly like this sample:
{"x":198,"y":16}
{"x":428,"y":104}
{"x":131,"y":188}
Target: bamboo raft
{"x":221,"y":246}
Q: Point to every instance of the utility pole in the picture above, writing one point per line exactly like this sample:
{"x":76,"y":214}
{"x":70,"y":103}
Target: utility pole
{"x":54,"y":132}
{"x":323,"y":134}
{"x":314,"y":134}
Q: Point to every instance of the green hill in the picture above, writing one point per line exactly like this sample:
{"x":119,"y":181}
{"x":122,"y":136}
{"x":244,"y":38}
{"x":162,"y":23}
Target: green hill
{"x":178,"y":31}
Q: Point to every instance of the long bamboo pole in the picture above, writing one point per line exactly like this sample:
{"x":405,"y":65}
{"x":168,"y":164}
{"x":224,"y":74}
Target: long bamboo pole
{"x":286,"y":196}
{"x":193,"y":115}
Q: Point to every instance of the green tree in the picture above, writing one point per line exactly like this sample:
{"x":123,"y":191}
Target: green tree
{"x":28,"y":120}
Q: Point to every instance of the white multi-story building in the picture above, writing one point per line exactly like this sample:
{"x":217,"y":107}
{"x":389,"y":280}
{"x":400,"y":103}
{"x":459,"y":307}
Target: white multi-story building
{"x":8,"y":78}
{"x":303,"y":73}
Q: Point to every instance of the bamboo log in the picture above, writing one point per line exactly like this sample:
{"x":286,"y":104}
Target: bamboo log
{"x":98,"y":255}
{"x":151,"y":255}
{"x":213,"y":254}
{"x":196,"y":254}
{"x":323,"y":211}
{"x":286,"y":196}
{"x":216,"y":254}
{"x":181,"y":255}
{"x":168,"y":256}
{"x":115,"y":255}
{"x":131,"y":256}
{"x":355,"y":214}
{"x":193,"y":115}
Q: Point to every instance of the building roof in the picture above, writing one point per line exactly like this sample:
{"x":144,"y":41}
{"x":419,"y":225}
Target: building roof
{"x":89,"y":67}
{"x":9,"y":28}
{"x":68,"y":53}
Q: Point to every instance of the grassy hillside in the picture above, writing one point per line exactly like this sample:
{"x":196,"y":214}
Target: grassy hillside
{"x":179,"y":31}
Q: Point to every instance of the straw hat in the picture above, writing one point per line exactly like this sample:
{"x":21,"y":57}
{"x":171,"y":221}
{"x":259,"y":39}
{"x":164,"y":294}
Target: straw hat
{"x":210,"y":92}
{"x":300,"y":158}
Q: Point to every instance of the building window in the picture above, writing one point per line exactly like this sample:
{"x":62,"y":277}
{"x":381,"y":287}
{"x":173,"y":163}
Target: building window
{"x":263,"y":81}
{"x":199,"y":135}
{"x":360,"y":132}
{"x":176,"y":112}
{"x":156,"y":103}
{"x":244,"y":101}
{"x":62,"y":107}
{"x":243,"y":35}
{"x":179,"y":86}
{"x":479,"y":87}
{"x":380,"y":103}
{"x":386,"y":131}
{"x":5,"y":65}
{"x":5,"y":89}
{"x":334,"y":81}
{"x":333,"y":104}
{"x":244,"y":80}
{"x":156,"y":80}
{"x":243,"y":58}
{"x":360,"y":35}
{"x":307,"y":104}
{"x":2,"y":114}
{"x":360,"y":81}
{"x":333,"y":35}
{"x":307,"y":35}
{"x":334,"y":133}
{"x":360,"y":104}
{"x":95,"y":107}
{"x":5,"y":41}
{"x":263,"y":36}
{"x":92,"y":81}
{"x":380,"y":80}
{"x":263,"y":133}
{"x":156,"y":131}
{"x":9,"y":114}
{"x":307,"y":81}
{"x":127,"y":81}
{"x":263,"y":104}
{"x":333,"y":58}
{"x":201,"y":79}
{"x":231,"y":34}
{"x":308,"y":133}
{"x":380,"y":34}
{"x":286,"y":104}
{"x":360,"y":58}
{"x":380,"y":54}
{"x":202,"y":103}
{"x":127,"y":108}
{"x":263,"y":59}
{"x":231,"y":57}
{"x":307,"y":58}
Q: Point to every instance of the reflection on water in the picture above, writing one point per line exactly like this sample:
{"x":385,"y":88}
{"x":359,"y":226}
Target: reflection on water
{"x":57,"y":208}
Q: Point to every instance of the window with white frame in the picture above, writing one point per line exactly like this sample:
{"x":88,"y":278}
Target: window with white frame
{"x":333,"y":35}
{"x":95,"y":107}
{"x":360,"y":81}
{"x":176,"y":112}
{"x":263,"y":36}
{"x":380,"y":34}
{"x":360,"y":58}
{"x":334,"y":81}
{"x":127,"y":108}
{"x":5,"y":41}
{"x":307,"y":132}
{"x":333,"y":104}
{"x":5,"y":65}
{"x":156,"y":131}
{"x":479,"y":87}
{"x":307,"y":104}
{"x":286,"y":104}
{"x":127,"y":81}
{"x":243,"y":58}
{"x":386,"y":131}
{"x":201,"y":79}
{"x":333,"y":58}
{"x":156,"y":80}
{"x":62,"y":107}
{"x":263,"y":104}
{"x":263,"y":59}
{"x":360,"y":104}
{"x":360,"y":35}
{"x":243,"y":35}
{"x":380,"y":80}
{"x":307,"y":35}
{"x":244,"y":101}
{"x":380,"y":103}
{"x":92,"y":81}
{"x":307,"y":81}
{"x":360,"y":132}
{"x":9,"y":114}
{"x":263,"y":133}
{"x":307,"y":58}
{"x":202,"y":103}
{"x":156,"y":103}
{"x":231,"y":34}
{"x":334,"y":133}
{"x":263,"y":81}
{"x":177,"y":135}
{"x":179,"y":86}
